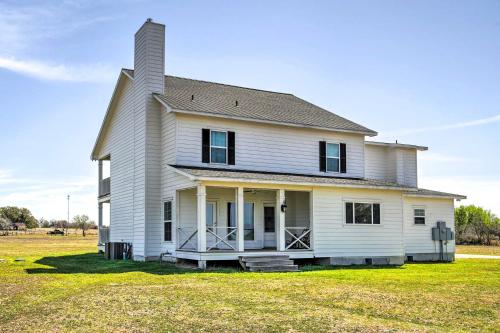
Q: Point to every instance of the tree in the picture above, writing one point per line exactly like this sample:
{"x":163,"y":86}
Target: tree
{"x":19,"y":215}
{"x":461,"y":221}
{"x":83,"y":222}
{"x":43,"y":223}
{"x":5,"y":225}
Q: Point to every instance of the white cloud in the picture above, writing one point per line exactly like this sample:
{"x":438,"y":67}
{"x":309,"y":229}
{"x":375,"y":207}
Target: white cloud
{"x":476,"y":122}
{"x":26,"y":28}
{"x":479,"y":191}
{"x":89,"y":73}
{"x":47,"y":197}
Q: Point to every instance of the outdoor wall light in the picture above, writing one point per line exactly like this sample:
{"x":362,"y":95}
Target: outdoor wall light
{"x":283,"y":207}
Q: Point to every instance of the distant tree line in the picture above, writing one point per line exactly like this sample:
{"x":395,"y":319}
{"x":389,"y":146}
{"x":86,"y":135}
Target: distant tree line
{"x":476,"y":225}
{"x":18,"y":218}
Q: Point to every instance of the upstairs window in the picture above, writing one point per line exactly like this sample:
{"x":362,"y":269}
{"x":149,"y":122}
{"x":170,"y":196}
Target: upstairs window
{"x":419,"y":215}
{"x":167,"y":221}
{"x":362,"y":213}
{"x":332,"y":157}
{"x":218,"y":147}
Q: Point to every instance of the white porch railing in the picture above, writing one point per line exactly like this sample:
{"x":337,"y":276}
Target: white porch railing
{"x":186,"y":239}
{"x":298,"y":238}
{"x":103,"y":235}
{"x":221,"y":235}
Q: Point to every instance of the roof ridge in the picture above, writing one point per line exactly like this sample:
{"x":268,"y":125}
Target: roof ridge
{"x":222,"y":84}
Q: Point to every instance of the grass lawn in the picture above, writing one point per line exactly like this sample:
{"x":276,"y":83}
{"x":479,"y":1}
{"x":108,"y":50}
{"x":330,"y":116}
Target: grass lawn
{"x":64,"y":286}
{"x":479,"y":249}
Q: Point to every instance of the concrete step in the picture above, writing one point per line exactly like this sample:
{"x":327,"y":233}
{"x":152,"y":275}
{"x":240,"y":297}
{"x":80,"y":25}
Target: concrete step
{"x":264,"y":258}
{"x":290,"y":268}
{"x":269,"y":263}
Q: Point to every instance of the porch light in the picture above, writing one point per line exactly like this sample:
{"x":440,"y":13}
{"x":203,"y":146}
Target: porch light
{"x":283,"y":207}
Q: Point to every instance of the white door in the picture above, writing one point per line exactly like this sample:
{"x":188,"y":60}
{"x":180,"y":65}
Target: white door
{"x":269,"y":226}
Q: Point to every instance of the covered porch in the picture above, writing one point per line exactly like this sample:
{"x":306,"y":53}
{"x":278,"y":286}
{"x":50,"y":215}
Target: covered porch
{"x":225,"y":222}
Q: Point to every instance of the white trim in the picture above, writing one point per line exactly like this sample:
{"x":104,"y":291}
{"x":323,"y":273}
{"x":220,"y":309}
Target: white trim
{"x":433,"y":196}
{"x":247,"y":180}
{"x":332,"y":157}
{"x":421,"y":207}
{"x":219,"y":147}
{"x":395,"y":145}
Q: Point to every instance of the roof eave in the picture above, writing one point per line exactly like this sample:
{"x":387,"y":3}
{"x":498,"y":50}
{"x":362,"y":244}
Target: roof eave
{"x":396,"y":145}
{"x":435,"y":196}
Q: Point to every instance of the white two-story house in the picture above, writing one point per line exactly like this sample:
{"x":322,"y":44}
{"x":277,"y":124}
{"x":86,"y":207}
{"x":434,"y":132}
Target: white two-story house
{"x":208,"y":171}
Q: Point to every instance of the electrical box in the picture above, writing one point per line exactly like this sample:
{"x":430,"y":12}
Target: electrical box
{"x":441,"y":233}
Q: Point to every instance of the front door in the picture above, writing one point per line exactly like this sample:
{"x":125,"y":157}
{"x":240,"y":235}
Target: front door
{"x":269,"y":226}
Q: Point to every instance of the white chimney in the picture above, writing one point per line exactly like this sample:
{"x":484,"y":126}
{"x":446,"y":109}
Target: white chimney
{"x":149,"y":57}
{"x":149,"y":70}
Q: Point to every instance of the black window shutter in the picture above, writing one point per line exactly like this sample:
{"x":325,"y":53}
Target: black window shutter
{"x":343,"y":160}
{"x":231,"y":159}
{"x":205,"y":145}
{"x":322,"y":156}
{"x":376,"y":213}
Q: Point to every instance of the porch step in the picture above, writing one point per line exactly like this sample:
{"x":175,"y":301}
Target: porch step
{"x":279,"y":263}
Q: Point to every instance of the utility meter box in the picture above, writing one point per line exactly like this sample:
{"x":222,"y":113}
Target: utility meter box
{"x":441,"y":233}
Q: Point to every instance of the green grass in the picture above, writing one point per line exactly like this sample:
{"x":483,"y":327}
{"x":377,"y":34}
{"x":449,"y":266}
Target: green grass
{"x":479,"y":249}
{"x":64,"y":286}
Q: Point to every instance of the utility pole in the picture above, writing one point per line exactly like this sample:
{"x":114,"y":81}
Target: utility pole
{"x":67,"y":223}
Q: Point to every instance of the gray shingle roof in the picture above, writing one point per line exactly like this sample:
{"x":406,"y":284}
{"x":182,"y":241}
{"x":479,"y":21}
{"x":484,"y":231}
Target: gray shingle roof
{"x":422,"y":192}
{"x":256,"y":176}
{"x":253,"y":104}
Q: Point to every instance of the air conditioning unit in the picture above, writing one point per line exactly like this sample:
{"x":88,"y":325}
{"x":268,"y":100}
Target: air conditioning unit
{"x":118,"y":250}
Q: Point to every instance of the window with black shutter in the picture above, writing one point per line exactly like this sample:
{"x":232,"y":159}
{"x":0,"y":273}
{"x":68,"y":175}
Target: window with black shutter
{"x":322,"y":156}
{"x":343,"y":158}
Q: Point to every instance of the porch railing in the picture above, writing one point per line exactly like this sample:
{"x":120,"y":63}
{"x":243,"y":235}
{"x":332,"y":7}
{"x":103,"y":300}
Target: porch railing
{"x":105,"y":187}
{"x":103,"y":235}
{"x":297,"y":238}
{"x":186,"y":239}
{"x":222,"y":236}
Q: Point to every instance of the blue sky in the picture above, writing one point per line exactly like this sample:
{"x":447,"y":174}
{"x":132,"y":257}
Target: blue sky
{"x":422,"y":72}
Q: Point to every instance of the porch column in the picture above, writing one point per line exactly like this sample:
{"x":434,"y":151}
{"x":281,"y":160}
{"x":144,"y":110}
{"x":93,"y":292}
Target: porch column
{"x":240,"y":219}
{"x":201,"y":217}
{"x":280,"y":220}
{"x":99,"y":223}
{"x":99,"y":178}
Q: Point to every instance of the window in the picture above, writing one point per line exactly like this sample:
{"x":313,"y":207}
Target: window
{"x":332,"y":157}
{"x":211,"y":215}
{"x":218,"y":147}
{"x":419,"y":215}
{"x":167,"y":221}
{"x":362,"y":213}
{"x":248,"y":222}
{"x":269,"y":221}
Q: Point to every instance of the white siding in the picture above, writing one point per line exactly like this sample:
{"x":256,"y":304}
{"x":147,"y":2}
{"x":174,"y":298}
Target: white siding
{"x":391,"y":164}
{"x":267,"y":147}
{"x":418,"y":238}
{"x":333,"y":238}
{"x":118,"y":143}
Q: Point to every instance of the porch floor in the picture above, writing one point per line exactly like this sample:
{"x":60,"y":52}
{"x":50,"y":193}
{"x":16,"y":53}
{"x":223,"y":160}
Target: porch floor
{"x":234,"y":255}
